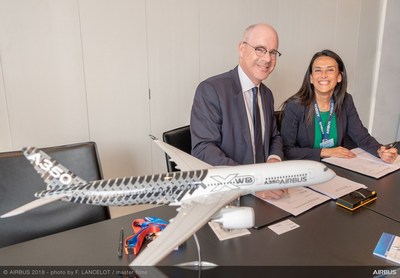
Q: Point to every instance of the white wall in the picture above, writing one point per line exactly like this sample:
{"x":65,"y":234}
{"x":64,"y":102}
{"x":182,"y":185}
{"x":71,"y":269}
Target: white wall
{"x":113,"y":71}
{"x":173,"y":59}
{"x":386,"y":112}
{"x":43,"y":93}
{"x":114,"y":47}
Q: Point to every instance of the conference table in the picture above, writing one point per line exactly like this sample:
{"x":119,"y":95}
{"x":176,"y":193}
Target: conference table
{"x":387,"y":188}
{"x":328,"y":237}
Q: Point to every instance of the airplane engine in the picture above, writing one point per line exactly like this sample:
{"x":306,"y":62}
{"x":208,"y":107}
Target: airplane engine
{"x":235,"y":218}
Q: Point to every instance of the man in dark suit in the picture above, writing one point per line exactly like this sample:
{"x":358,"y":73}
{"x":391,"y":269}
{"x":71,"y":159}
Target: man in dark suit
{"x":227,"y":108}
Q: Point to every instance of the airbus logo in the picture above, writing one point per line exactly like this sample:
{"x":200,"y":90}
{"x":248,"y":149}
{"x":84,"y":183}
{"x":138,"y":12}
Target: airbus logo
{"x":385,"y":272}
{"x":288,"y":180}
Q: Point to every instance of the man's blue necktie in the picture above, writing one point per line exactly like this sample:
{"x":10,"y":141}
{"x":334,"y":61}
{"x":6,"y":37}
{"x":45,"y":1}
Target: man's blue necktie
{"x":258,"y":145}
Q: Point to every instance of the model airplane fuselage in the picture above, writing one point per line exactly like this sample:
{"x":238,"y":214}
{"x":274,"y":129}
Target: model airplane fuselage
{"x":172,"y":188}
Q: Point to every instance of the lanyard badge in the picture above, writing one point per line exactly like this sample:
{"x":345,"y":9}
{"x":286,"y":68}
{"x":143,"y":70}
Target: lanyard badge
{"x":326,"y":142}
{"x":145,"y":228}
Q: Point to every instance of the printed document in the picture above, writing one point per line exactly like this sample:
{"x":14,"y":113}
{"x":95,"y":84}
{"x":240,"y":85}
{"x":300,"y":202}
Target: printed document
{"x":388,"y":247}
{"x":337,"y":187}
{"x":365,"y":163}
{"x":299,"y":200}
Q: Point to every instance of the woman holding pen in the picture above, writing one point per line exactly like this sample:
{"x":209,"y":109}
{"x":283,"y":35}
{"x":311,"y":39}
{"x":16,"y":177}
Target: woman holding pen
{"x":321,"y":114}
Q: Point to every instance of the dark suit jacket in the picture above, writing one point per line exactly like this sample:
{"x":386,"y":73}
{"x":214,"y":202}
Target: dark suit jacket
{"x":219,"y":125}
{"x":298,"y":135}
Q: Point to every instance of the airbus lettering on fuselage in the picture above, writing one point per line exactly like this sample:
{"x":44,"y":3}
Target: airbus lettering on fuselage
{"x":288,"y":180}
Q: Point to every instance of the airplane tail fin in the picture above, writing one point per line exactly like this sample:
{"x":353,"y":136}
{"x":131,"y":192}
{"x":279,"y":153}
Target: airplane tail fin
{"x":184,"y":161}
{"x":53,"y":173}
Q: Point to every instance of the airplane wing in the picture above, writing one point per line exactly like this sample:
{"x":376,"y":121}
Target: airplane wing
{"x":184,"y":161}
{"x":194,"y":213}
{"x":34,"y":204}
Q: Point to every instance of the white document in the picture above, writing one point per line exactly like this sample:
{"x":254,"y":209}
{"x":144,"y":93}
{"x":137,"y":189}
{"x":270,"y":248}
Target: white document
{"x":337,"y":187}
{"x":299,"y":200}
{"x":224,"y":234}
{"x":283,"y":226}
{"x":365,"y":163}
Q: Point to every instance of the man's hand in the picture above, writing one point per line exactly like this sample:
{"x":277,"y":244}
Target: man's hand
{"x":273,"y":159}
{"x":272,"y":194}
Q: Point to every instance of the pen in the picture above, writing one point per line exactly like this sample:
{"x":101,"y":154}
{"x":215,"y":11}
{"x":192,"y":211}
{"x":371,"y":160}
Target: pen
{"x":121,"y":242}
{"x":392,"y":145}
{"x":286,"y":193}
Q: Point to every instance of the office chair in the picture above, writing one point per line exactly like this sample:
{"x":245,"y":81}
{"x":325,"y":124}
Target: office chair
{"x":179,"y":138}
{"x":19,"y":182}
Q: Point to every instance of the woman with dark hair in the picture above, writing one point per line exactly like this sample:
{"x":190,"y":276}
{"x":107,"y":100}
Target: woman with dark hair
{"x":318,"y":118}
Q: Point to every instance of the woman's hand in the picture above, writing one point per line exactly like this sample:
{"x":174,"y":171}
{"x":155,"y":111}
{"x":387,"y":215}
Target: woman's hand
{"x":388,"y":155}
{"x":337,"y":152}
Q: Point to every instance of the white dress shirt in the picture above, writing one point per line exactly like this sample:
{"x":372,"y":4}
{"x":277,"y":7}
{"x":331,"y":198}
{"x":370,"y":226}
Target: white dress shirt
{"x":247,"y":86}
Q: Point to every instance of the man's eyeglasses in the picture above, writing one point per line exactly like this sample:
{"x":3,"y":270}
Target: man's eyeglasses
{"x":261,"y":51}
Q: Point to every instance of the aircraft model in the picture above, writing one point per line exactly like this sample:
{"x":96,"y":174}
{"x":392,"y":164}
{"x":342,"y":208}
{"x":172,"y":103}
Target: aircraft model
{"x":200,"y":189}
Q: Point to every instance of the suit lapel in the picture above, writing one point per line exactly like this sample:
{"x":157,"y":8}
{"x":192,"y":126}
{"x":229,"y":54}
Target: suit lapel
{"x":241,"y":108}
